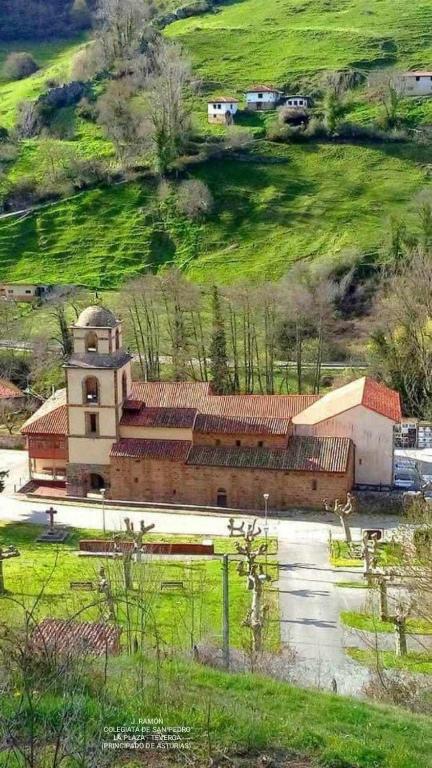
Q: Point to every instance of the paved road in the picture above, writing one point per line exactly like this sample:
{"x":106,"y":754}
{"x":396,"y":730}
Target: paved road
{"x":310,"y":606}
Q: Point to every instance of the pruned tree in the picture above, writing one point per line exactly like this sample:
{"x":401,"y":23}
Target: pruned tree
{"x":255,"y":575}
{"x":342,"y":511}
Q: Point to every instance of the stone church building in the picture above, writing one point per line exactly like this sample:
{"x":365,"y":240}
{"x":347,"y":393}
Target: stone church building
{"x":177,"y":442}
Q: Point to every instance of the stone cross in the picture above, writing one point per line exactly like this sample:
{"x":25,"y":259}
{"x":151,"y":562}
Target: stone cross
{"x":6,"y":554}
{"x":51,"y":512}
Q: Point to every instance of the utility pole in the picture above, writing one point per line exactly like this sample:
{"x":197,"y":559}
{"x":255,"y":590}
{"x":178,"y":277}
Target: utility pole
{"x":225,"y":609}
{"x":266,"y":529}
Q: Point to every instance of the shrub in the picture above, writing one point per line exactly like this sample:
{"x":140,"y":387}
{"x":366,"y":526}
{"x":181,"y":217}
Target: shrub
{"x":194,"y":199}
{"x":19,"y":65}
{"x":293,"y":116}
{"x":21,"y":193}
{"x":4,"y":134}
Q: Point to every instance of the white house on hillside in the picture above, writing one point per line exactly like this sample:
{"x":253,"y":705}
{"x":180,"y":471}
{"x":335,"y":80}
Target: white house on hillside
{"x":417,"y":83}
{"x":222,"y":110}
{"x":260,"y":97}
{"x":297,"y":102}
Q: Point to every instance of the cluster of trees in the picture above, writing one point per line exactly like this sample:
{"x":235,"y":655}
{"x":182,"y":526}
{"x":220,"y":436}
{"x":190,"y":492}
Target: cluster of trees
{"x":43,"y":19}
{"x":334,"y":98}
{"x":241,"y":337}
{"x":401,"y":336}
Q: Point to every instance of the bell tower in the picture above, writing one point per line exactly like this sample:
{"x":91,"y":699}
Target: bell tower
{"x":98,"y":381}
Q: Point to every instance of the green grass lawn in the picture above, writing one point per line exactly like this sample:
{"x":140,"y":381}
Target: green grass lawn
{"x":183,"y":616}
{"x":369,"y":623}
{"x":420,"y":663}
{"x":318,"y":201}
{"x":388,"y":554}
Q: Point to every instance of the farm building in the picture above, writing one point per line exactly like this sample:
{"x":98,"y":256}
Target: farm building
{"x":417,"y":83}
{"x":178,"y":442}
{"x":261,"y":97}
{"x":297,"y":102}
{"x":222,"y":110}
{"x":24,"y":291}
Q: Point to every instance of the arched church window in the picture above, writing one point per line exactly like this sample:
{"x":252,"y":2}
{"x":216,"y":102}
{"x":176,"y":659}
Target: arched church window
{"x":91,"y":390}
{"x":124,"y":386}
{"x":91,"y":342}
{"x":117,"y":339}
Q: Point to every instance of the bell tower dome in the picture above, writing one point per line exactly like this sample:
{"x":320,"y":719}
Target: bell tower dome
{"x":98,"y":376}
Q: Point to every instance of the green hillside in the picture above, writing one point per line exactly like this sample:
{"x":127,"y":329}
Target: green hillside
{"x":313,"y":200}
{"x":283,"y":40}
{"x":321,"y":200}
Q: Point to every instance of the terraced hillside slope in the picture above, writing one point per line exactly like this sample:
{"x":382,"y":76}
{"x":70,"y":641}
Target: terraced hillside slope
{"x":287,"y":202}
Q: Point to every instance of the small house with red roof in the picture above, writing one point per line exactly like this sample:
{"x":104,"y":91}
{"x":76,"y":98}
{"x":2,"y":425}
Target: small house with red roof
{"x":222,"y":109}
{"x":261,"y":97}
{"x":179,"y":443}
{"x":11,"y":394}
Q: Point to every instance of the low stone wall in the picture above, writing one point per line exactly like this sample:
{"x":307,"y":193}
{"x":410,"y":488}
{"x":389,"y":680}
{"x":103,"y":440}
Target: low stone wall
{"x":154,"y":548}
{"x":12,"y":442}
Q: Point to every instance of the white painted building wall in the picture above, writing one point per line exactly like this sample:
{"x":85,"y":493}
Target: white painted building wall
{"x":372,"y":435}
{"x":417,"y":85}
{"x":254,"y":99}
{"x":297,"y":102}
{"x":219,"y":110}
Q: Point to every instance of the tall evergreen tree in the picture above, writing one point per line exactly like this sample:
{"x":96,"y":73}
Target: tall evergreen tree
{"x":220,"y":375}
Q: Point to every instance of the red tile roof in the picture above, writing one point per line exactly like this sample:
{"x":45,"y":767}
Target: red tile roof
{"x":377,"y":397}
{"x":303,"y":454}
{"x":64,"y":636}
{"x":176,"y":418}
{"x":257,"y":406}
{"x":50,"y":418}
{"x":208,"y":423}
{"x":223,"y":100}
{"x":9,"y":391}
{"x":260,"y":88}
{"x":170,"y":394}
{"x":168,"y":450}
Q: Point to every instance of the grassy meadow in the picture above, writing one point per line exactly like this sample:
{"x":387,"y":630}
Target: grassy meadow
{"x":288,"y":202}
{"x":316,"y":201}
{"x":291,"y":42}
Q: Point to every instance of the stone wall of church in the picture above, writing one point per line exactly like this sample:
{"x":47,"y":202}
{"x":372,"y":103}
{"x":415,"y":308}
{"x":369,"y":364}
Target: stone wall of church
{"x":176,"y":483}
{"x":79,"y":478}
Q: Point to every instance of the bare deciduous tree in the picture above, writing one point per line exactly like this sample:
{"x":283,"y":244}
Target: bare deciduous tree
{"x":122,"y":24}
{"x":343,"y":511}
{"x":168,"y":121}
{"x":256,"y":577}
{"x":194,"y":199}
